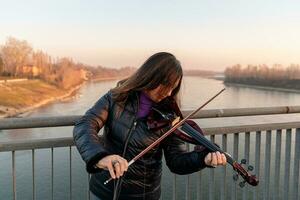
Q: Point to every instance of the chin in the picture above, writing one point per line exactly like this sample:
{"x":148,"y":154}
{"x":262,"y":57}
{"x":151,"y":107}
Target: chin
{"x":160,"y":99}
{"x":157,"y":100}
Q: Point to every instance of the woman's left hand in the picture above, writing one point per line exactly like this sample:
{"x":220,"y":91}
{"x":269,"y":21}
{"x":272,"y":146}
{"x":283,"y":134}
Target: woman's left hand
{"x":215,"y":158}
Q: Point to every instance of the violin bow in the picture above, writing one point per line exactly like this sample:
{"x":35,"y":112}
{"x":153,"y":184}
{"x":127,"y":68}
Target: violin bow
{"x":166,"y":134}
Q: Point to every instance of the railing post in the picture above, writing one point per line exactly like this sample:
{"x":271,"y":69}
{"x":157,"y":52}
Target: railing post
{"x":257,"y":161}
{"x":188,"y":180}
{"x":14,"y":175}
{"x":199,"y":185}
{"x":70,"y":157}
{"x":287,"y":163}
{"x":174,"y":187}
{"x":33,"y":175}
{"x":52,"y":173}
{"x":247,"y":156}
{"x":223,"y":192}
{"x":267,"y":165}
{"x":88,"y":186}
{"x":277,"y":189}
{"x":235,"y":157}
{"x":296,"y":165}
{"x":211,"y":182}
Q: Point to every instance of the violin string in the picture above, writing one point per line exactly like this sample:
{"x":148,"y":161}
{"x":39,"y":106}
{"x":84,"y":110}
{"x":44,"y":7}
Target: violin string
{"x":188,"y":129}
{"x":203,"y":140}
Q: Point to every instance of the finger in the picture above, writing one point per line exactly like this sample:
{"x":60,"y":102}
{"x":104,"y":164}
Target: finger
{"x":101,"y":164}
{"x":126,"y":165}
{"x":117,"y":168}
{"x":123,"y":163}
{"x":111,"y":170}
{"x":123,"y":166}
{"x":214,"y":160}
{"x":224,"y":159}
{"x":207,"y":159}
{"x":219,"y":158}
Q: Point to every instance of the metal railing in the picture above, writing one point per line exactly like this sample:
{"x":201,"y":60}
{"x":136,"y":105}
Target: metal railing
{"x":273,"y":148}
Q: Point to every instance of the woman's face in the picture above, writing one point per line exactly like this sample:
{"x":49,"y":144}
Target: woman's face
{"x":161,"y":92}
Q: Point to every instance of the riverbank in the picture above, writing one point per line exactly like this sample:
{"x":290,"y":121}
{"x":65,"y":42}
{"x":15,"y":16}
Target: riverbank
{"x":99,"y":79}
{"x":262,"y":87}
{"x":21,"y":97}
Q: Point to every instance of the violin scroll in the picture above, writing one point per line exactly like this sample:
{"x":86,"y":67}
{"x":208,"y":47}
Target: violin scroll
{"x":249,"y":178}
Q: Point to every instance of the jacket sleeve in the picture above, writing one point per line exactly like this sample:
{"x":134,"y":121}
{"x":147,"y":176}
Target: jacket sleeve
{"x":179,"y":160}
{"x":85,"y":133}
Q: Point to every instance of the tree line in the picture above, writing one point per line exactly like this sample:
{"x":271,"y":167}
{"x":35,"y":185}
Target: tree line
{"x":19,"y":60}
{"x":275,"y":76}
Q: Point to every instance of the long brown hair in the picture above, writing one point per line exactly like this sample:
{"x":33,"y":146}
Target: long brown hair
{"x":161,"y":68}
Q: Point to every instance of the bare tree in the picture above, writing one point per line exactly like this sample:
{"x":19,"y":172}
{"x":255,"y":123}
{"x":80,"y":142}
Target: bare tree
{"x":42,"y":61}
{"x":1,"y":65}
{"x":16,"y":54}
{"x":293,"y":71}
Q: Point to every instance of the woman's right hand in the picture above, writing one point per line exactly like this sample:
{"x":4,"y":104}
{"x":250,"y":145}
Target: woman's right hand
{"x":115,"y":164}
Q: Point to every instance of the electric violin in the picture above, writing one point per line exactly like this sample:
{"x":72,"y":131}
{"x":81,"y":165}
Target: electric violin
{"x":190,"y":132}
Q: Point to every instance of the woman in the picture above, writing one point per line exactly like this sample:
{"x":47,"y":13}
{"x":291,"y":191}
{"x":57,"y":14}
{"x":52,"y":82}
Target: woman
{"x":124,"y":112}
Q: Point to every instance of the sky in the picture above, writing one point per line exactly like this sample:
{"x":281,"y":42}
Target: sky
{"x":202,"y":34}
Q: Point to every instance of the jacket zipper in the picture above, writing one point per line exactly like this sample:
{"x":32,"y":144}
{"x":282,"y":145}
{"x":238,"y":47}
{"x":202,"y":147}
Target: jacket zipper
{"x":129,"y":133}
{"x":132,"y":128}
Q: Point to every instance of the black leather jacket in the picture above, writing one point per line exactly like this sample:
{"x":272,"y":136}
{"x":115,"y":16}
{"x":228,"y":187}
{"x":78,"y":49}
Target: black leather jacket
{"x":142,"y":180}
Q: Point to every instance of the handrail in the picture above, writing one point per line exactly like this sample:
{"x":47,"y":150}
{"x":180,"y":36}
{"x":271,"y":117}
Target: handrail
{"x":236,"y":112}
{"x":39,"y":122}
{"x":27,"y":144}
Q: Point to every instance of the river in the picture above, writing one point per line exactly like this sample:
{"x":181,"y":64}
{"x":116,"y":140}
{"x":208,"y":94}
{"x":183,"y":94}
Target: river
{"x":195,"y":91}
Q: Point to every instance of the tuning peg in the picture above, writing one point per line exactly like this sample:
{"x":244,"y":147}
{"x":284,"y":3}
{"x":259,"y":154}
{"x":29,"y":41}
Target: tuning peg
{"x":250,"y":168}
{"x":242,"y":184}
{"x":243,"y":161}
{"x":235,"y":177}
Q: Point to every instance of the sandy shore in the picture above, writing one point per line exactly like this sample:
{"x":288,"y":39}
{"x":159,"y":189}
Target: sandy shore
{"x":99,"y":79}
{"x":6,"y":112}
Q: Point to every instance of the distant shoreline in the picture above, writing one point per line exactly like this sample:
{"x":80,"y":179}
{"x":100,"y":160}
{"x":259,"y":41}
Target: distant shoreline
{"x":105,"y":79}
{"x":262,"y":87}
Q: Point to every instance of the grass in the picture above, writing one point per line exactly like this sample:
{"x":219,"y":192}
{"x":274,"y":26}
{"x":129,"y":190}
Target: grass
{"x":6,"y":78}
{"x":27,"y":93}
